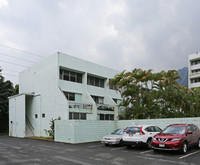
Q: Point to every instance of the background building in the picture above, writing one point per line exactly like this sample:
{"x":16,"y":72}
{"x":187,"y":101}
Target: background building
{"x":194,"y":70}
{"x":61,"y":86}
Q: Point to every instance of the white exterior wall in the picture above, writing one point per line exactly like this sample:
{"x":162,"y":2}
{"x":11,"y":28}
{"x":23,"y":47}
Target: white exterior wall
{"x":195,"y":56}
{"x":43,"y":91}
{"x":42,"y":79}
{"x":85,"y":67}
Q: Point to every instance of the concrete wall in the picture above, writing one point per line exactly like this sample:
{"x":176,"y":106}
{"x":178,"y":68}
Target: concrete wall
{"x":80,"y":131}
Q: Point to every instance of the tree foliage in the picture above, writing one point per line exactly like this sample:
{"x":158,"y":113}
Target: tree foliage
{"x":6,"y":90}
{"x":155,"y":95}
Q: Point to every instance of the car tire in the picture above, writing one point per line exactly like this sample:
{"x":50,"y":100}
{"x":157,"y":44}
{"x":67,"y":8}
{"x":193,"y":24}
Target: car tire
{"x":106,"y":145}
{"x":148,"y":144}
{"x":184,"y":148}
{"x":121,"y":143}
{"x":198,"y":143}
{"x":128,"y":146}
{"x":155,"y":150}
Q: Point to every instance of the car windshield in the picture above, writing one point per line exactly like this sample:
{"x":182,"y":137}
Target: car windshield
{"x":133,"y":129}
{"x":174,"y":130}
{"x":117,"y":132}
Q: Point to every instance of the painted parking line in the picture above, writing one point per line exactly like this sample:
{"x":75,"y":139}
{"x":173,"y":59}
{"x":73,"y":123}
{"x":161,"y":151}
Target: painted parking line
{"x":119,"y":148}
{"x":73,"y":160}
{"x":145,"y":151}
{"x":95,"y":146}
{"x":188,"y":155}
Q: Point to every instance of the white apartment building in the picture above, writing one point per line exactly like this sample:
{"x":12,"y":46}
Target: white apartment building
{"x":194,"y":70}
{"x":62,"y":86}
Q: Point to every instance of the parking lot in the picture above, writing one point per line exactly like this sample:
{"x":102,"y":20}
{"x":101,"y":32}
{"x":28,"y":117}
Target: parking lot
{"x":29,"y":151}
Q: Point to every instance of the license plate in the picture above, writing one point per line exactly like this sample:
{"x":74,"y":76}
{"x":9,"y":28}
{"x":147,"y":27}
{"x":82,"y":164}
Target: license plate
{"x":161,"y":145}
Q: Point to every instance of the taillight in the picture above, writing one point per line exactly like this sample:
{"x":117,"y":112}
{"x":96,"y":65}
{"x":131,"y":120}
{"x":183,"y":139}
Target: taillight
{"x":141,"y":132}
{"x":125,"y":129}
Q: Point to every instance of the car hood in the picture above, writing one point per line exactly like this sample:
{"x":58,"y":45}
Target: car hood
{"x":113,"y":136}
{"x":168,"y":136}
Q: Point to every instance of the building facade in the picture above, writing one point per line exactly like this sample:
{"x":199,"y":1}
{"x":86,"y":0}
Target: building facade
{"x":194,"y":70}
{"x":62,"y":86}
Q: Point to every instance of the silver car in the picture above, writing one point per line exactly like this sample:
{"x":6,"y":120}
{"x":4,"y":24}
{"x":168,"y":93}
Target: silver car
{"x":114,"y":138}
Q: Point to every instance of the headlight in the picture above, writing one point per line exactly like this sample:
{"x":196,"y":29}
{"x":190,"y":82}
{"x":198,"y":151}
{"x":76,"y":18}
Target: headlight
{"x":154,"y":139}
{"x":176,"y":139}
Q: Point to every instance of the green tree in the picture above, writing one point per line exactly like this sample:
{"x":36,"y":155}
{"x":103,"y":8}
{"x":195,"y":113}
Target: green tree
{"x":155,"y":95}
{"x":6,"y":90}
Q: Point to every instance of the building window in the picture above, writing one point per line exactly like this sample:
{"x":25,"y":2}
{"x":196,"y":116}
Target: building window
{"x":95,"y":81}
{"x":70,"y":76}
{"x":98,"y":100}
{"x":77,"y":116}
{"x":106,"y":117}
{"x":195,"y":70}
{"x":195,"y":62}
{"x":113,"y":87}
{"x":195,"y":80}
{"x":70,"y":96}
{"x":36,"y":116}
{"x":43,"y":115}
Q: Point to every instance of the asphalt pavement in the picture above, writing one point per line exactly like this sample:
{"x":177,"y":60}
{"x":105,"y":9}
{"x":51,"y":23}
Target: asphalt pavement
{"x":23,"y":151}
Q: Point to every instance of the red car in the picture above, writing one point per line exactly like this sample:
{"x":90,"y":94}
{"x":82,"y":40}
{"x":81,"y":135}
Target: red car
{"x":177,"y":137}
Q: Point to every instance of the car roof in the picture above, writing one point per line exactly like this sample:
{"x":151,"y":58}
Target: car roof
{"x":180,"y":124}
{"x":140,"y":125}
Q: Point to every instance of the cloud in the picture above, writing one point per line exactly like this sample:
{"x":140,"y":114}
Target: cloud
{"x":121,"y":34}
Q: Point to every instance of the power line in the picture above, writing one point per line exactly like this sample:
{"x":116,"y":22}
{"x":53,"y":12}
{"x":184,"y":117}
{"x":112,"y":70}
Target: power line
{"x":9,"y":75}
{"x":16,"y":57}
{"x":15,"y":64}
{"x":10,"y":70}
{"x":22,"y":51}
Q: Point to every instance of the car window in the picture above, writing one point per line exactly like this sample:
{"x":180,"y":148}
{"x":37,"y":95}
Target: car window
{"x":174,"y":130}
{"x":157,"y":129}
{"x":117,"y":132}
{"x":189,"y":128}
{"x":133,"y":129}
{"x":149,"y":129}
{"x":194,"y":128}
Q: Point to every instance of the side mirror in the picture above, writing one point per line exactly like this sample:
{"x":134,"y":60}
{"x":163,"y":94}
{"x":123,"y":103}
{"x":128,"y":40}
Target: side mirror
{"x":189,"y":132}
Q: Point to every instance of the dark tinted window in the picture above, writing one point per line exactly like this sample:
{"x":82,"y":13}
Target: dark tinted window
{"x":174,"y":130}
{"x":111,"y":117}
{"x":157,"y":129}
{"x":70,"y":96}
{"x":83,"y":116}
{"x":76,"y":115}
{"x":94,"y":81}
{"x":70,"y":115}
{"x":149,"y":129}
{"x":133,"y":129}
{"x":70,"y":76}
{"x":117,"y":132}
{"x":194,"y":128}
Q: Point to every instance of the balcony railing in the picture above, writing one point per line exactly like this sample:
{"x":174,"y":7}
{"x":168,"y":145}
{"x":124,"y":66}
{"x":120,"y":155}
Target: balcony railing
{"x":105,"y":107}
{"x":75,"y":105}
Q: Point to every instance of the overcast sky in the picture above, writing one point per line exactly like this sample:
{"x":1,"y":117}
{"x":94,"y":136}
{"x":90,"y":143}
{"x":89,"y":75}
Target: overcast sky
{"x":121,"y":34}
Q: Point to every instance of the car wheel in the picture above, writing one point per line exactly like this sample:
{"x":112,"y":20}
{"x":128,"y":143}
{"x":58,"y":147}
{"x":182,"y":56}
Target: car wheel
{"x":121,"y":143}
{"x":184,"y":148}
{"x":128,"y":146}
{"x":106,"y":145}
{"x":155,"y":150}
{"x":198,"y":144}
{"x":148,"y":144}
